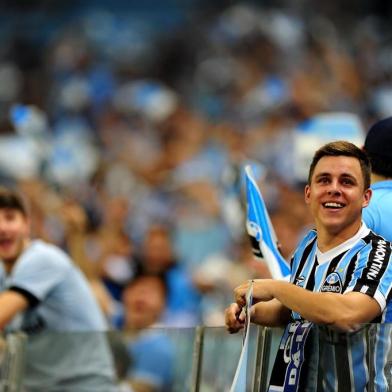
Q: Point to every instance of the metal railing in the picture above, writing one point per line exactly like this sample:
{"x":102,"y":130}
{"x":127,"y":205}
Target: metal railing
{"x":205,"y":358}
{"x":12,"y":355}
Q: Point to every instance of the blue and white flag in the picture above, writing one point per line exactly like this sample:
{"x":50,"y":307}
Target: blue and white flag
{"x":261,"y":231}
{"x":264,"y":246}
{"x":240,"y":378}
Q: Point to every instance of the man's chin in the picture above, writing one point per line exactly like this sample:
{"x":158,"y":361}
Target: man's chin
{"x":333,"y":226}
{"x":8,"y":257}
{"x":338,"y":226}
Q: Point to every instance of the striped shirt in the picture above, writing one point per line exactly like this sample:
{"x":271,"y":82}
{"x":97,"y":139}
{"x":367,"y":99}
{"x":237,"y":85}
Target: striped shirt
{"x":361,"y":264}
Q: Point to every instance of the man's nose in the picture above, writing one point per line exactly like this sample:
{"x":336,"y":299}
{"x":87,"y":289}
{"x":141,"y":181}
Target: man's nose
{"x":334,"y":188}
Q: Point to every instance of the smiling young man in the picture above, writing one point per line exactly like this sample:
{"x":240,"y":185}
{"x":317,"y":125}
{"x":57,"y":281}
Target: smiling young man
{"x":341,"y":275}
{"x":43,"y":294}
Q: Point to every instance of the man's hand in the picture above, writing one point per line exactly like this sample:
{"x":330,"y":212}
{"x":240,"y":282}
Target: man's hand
{"x":11,"y":303}
{"x":261,"y":291}
{"x":234,"y":318}
{"x":265,"y":308}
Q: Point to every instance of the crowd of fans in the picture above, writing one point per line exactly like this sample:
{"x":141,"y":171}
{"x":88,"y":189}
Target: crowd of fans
{"x":129,"y":138}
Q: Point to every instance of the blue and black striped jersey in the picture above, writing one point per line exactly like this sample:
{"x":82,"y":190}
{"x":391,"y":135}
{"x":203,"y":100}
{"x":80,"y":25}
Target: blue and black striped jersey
{"x":362,"y":264}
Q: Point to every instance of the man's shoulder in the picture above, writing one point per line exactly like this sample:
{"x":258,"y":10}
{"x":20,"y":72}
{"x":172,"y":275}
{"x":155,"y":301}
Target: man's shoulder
{"x":305,"y":245}
{"x":44,"y":253}
{"x":382,"y":185}
{"x":381,"y":191}
{"x":41,"y":246}
{"x":378,"y":214}
{"x":377,"y":249}
{"x":374,"y":239}
{"x":309,"y":237}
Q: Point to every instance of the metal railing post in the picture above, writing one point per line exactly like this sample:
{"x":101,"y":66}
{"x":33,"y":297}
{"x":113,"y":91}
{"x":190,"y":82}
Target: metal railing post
{"x":197,"y":359}
{"x":259,"y":357}
{"x":264,"y":360}
{"x":12,"y":363}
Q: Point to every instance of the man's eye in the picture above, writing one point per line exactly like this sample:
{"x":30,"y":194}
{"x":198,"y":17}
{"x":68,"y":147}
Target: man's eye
{"x":323,"y":180}
{"x":10,"y":217}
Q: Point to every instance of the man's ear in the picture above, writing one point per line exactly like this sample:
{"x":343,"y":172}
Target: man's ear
{"x":366,"y":197}
{"x":307,"y":194}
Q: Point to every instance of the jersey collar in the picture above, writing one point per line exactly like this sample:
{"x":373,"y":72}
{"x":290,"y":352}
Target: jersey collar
{"x":348,"y":244}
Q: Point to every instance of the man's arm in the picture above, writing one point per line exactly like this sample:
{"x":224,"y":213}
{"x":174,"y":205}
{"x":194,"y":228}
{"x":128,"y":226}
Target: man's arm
{"x":342,"y":311}
{"x":270,"y":314}
{"x":11,"y":303}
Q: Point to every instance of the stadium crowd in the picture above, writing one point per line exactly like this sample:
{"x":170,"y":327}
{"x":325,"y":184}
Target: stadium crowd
{"x":129,"y":137}
{"x":128,"y":130}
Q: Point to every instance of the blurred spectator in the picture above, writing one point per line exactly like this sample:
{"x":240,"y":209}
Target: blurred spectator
{"x":107,"y":251}
{"x":151,"y":352}
{"x":113,"y":119}
{"x":157,"y":257}
{"x":109,"y":247}
{"x":217,"y":276}
{"x":43,"y":293}
{"x":76,"y":241}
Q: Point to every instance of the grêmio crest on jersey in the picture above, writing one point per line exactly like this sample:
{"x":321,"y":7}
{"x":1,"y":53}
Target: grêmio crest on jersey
{"x":332,"y":284}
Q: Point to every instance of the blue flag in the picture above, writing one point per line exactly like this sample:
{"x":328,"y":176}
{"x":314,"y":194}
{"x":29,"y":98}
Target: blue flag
{"x":240,"y":378}
{"x":261,"y":231}
{"x":264,"y":246}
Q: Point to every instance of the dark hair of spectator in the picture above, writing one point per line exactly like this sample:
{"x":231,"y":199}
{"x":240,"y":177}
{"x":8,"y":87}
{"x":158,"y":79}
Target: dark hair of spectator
{"x":381,"y":166}
{"x":378,"y":146}
{"x":12,"y":200}
{"x":159,"y":277}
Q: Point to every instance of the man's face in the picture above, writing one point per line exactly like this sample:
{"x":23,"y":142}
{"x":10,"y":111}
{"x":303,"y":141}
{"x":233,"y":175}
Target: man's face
{"x":14,"y":231}
{"x":336,"y":195}
{"x":144,"y":302}
{"x":157,"y":252}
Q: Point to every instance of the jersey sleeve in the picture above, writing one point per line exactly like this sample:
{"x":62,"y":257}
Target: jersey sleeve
{"x":36,"y":273}
{"x":373,"y":272}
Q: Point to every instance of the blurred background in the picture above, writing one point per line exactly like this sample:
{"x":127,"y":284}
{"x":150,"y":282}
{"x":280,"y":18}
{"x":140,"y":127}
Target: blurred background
{"x":127,"y":126}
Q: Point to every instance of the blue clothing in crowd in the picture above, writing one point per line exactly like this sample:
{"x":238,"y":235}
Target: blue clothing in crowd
{"x":378,"y":215}
{"x":152,"y":360}
{"x":183,"y":302}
